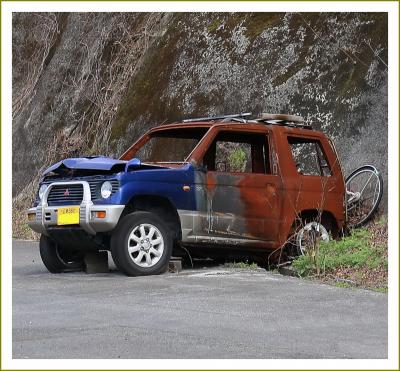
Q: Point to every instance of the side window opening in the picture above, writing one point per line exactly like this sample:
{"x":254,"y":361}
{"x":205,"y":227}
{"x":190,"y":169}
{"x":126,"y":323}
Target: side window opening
{"x":237,"y":152}
{"x":309,"y":157}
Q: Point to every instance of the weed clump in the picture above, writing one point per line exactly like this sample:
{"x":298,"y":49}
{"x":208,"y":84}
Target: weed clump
{"x":359,"y":259}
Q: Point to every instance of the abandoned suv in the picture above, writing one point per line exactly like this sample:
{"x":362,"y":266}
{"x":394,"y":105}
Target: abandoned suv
{"x":213,"y":187}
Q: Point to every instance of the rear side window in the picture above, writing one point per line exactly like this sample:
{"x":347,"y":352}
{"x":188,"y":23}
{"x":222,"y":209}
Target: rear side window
{"x":309,"y":157}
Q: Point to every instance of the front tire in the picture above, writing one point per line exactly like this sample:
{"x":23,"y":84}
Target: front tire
{"x":141,"y":244}
{"x":58,"y":259}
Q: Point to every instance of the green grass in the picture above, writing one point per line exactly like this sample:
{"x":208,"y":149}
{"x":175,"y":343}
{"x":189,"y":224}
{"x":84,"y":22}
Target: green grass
{"x":383,"y":290}
{"x":343,"y":284}
{"x":360,"y":256}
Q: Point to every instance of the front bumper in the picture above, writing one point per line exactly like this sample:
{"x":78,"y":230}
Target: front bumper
{"x":46,"y":216}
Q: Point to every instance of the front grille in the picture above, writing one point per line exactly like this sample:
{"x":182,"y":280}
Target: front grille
{"x":95,"y":187}
{"x":68,"y":194}
{"x":57,"y":197}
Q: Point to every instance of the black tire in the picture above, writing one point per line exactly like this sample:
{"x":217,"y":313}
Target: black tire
{"x":122,"y":237}
{"x":58,"y":259}
{"x":362,"y":220}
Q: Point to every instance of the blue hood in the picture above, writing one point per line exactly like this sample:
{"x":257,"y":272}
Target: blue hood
{"x":87,"y":163}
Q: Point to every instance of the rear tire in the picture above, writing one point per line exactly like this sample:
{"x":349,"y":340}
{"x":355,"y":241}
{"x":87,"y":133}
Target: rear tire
{"x":58,"y":259}
{"x":309,"y":235}
{"x":141,"y":244}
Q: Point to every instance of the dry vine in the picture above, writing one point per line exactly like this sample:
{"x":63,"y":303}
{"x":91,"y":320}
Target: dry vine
{"x":98,"y":85}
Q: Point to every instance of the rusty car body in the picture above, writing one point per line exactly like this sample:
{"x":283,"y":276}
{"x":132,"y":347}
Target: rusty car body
{"x":243,"y":188}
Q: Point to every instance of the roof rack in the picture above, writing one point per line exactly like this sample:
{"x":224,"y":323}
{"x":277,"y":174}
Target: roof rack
{"x":210,"y":118}
{"x":264,"y":118}
{"x":283,"y":120}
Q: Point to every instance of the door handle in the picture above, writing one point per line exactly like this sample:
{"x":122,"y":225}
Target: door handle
{"x":271,"y":189}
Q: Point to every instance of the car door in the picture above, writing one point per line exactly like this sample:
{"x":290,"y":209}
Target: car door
{"x":243,"y":197}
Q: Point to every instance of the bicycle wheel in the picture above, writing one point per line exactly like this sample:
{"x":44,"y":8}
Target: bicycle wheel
{"x":364,"y":190}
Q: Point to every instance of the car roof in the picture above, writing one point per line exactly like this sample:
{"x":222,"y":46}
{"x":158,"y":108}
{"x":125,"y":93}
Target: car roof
{"x":248,"y":126}
{"x":255,"y":127}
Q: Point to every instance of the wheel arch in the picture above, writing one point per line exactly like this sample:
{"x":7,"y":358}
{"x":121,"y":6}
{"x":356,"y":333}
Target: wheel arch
{"x":327,"y":218}
{"x":161,"y":206}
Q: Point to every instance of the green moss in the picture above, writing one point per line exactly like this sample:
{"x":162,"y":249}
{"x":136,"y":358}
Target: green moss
{"x":242,"y":265}
{"x":256,"y":23}
{"x":146,"y":88}
{"x":343,"y":284}
{"x":232,"y":20}
{"x":212,"y":27}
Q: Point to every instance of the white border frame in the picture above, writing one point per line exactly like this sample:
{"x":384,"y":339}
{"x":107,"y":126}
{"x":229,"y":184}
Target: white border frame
{"x":6,"y":150}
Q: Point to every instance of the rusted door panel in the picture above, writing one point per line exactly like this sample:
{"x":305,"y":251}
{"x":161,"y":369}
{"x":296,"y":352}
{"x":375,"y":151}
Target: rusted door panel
{"x":311,"y":192}
{"x":308,"y":192}
{"x":243,"y":205}
{"x":303,"y":192}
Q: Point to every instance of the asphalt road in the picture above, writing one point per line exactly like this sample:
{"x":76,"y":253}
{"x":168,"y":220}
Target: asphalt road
{"x":210,"y":312}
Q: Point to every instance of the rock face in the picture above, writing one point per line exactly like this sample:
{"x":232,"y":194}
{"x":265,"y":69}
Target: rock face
{"x":92,"y":83}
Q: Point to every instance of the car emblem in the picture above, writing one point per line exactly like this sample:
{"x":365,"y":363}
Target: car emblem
{"x":66,"y":193}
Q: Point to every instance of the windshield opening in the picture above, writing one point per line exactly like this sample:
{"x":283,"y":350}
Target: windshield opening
{"x":170,"y":146}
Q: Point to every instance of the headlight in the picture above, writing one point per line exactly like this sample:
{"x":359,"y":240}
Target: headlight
{"x":106,"y":189}
{"x":42,"y":189}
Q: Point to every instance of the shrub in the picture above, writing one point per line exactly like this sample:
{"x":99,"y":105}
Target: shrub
{"x":353,"y":251}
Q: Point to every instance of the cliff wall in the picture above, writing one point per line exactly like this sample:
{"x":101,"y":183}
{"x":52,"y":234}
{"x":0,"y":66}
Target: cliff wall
{"x":92,"y":83}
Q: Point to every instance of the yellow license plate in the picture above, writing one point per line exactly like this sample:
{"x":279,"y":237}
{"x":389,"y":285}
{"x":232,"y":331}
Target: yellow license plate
{"x":68,"y":215}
